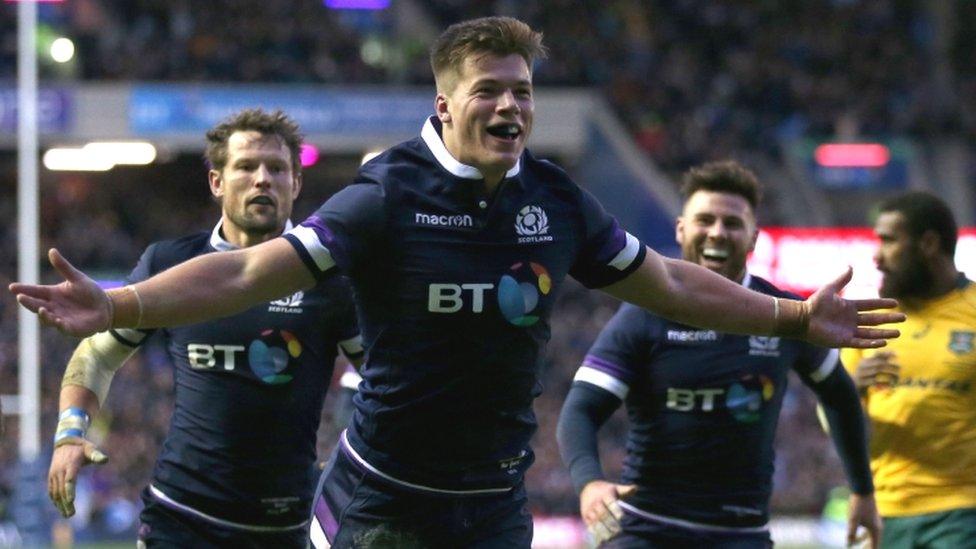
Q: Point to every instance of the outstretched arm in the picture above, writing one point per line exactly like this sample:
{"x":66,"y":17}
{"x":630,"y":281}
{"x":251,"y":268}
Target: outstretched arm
{"x":693,"y":295}
{"x":203,"y":288}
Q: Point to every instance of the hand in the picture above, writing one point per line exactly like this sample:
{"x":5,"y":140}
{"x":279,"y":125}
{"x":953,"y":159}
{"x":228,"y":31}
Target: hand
{"x":75,"y":307}
{"x":877,"y":370}
{"x":839,"y":322}
{"x":69,"y":457}
{"x":600,"y":509}
{"x":863,"y":511}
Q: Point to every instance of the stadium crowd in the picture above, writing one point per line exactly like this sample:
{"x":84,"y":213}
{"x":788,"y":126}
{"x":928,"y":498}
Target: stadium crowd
{"x":694,"y":80}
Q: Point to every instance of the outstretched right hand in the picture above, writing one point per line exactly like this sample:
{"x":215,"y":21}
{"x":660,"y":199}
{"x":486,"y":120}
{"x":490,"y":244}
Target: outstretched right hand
{"x":75,"y":307}
{"x":70,"y":456}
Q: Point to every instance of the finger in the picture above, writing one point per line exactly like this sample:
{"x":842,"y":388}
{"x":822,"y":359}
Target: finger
{"x":858,"y":343}
{"x":600,"y":532}
{"x":94,"y":455}
{"x":50,"y":319}
{"x":32,"y":304}
{"x":874,"y":319}
{"x":876,"y":333}
{"x":872,"y":304}
{"x":836,"y":285}
{"x":616,"y":511}
{"x":626,"y":491}
{"x":851,"y":532}
{"x":64,"y":268}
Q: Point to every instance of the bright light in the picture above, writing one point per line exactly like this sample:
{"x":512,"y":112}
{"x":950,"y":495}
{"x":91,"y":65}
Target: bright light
{"x":127,"y":153}
{"x":309,"y":155}
{"x":369,"y":156}
{"x":852,"y":155}
{"x":75,"y":160}
{"x":62,"y":50}
{"x":100,"y":156}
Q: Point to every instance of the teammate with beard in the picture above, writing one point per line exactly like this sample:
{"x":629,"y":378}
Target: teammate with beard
{"x":235,"y":468}
{"x":456,"y":242}
{"x":920,"y":393}
{"x":703,"y":405}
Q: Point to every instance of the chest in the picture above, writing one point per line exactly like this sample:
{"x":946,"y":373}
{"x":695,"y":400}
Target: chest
{"x":941,"y":348}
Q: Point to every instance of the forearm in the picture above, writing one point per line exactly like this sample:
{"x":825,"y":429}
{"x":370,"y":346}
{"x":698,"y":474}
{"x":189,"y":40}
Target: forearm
{"x":213,"y":286}
{"x":842,"y":409}
{"x":690,"y":294}
{"x":76,"y":396}
{"x":584,"y":411}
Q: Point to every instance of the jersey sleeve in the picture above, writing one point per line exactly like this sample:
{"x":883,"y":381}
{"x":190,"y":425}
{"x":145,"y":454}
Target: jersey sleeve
{"x":816,"y":363}
{"x":612,"y":362}
{"x":342,"y":232}
{"x":608,"y":253}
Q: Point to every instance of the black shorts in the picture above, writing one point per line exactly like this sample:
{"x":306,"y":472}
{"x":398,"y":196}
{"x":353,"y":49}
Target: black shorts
{"x":162,"y":526}
{"x":354,"y":508}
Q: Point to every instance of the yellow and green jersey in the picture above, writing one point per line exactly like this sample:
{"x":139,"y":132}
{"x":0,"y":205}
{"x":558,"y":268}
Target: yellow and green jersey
{"x":923,"y":427}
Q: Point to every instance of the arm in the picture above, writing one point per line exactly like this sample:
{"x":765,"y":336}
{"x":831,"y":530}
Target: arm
{"x":84,"y":386}
{"x":693,"y":295}
{"x":586,"y":409}
{"x":203,"y":288}
{"x":842,"y":409}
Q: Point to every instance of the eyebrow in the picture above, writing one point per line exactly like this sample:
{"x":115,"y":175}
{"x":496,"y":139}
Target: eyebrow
{"x":495,"y":81}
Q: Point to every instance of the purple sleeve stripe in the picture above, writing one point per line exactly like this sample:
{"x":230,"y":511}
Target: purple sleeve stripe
{"x":611,"y":368}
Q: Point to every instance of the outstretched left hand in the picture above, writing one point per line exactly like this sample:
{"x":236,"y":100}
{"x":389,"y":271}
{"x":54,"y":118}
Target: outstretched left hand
{"x":839,"y":322}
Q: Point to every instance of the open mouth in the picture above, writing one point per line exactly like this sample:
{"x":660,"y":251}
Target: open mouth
{"x":261,"y":201}
{"x":715,"y":254}
{"x":509,"y":132}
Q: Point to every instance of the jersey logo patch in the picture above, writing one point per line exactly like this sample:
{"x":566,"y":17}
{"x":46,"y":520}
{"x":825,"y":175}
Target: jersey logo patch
{"x":961,"y":342}
{"x":692,"y":336}
{"x":764,"y":346}
{"x":532,"y":225}
{"x":443,"y":220}
{"x":291,"y":304}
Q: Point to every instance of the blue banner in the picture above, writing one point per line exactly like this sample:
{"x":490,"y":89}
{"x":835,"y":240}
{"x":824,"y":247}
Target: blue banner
{"x":54,"y":110}
{"x":161,"y":109}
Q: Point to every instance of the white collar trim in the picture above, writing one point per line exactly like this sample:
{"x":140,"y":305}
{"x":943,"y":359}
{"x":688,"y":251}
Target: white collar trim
{"x":747,"y":280}
{"x":219,"y":243}
{"x":432,"y":138}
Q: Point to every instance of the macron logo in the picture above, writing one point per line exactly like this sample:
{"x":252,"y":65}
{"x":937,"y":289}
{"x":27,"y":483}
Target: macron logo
{"x":693,"y":336}
{"x":444,"y":220}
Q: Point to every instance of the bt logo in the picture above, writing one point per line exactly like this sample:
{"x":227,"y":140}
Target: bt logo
{"x":744,"y":399}
{"x":519,"y":292}
{"x":268,"y":356}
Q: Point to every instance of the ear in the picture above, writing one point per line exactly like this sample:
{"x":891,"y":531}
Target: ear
{"x":440,"y":108}
{"x":216,"y":183}
{"x":296,"y":186}
{"x":755,"y":237}
{"x":679,"y":230}
{"x":928,"y":244}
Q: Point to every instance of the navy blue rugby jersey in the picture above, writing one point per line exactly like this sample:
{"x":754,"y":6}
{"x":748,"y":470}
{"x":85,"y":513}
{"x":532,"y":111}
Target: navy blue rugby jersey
{"x":454,"y":290}
{"x":249,"y":393}
{"x":703,"y":407}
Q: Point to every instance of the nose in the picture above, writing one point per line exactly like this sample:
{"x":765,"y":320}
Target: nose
{"x":262,"y":176}
{"x":507,"y":102}
{"x":877,"y":257}
{"x":717,"y":230}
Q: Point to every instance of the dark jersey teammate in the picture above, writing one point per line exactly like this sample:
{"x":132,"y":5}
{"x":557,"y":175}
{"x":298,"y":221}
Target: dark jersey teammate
{"x":703,"y":405}
{"x":456,"y":244}
{"x":235,"y":466}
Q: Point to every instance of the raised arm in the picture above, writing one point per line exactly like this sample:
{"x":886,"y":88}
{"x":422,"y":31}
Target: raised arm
{"x":203,"y":288}
{"x":693,"y":295}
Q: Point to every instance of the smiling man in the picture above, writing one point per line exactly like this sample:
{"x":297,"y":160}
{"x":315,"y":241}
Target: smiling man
{"x":236,"y":465}
{"x":457,"y":243}
{"x":703,"y":404}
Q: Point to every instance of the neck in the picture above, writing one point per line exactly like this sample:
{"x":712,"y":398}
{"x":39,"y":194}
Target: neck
{"x":243,"y":239}
{"x":944,"y":280}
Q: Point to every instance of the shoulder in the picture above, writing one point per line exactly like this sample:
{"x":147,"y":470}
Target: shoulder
{"x":167,"y":253}
{"x":397,"y":165}
{"x":547,"y":173}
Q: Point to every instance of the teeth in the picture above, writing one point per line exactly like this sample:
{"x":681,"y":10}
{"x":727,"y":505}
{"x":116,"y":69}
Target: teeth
{"x":714,"y":253}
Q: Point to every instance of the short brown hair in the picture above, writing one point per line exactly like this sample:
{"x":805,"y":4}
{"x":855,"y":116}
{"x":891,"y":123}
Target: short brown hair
{"x":500,"y":36}
{"x":727,"y":176}
{"x":275,"y":123}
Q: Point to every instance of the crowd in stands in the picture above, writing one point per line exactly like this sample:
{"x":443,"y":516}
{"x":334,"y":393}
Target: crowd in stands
{"x":693,"y":79}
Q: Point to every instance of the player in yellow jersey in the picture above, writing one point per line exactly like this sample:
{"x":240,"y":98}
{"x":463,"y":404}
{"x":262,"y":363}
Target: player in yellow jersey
{"x":920,"y":391}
